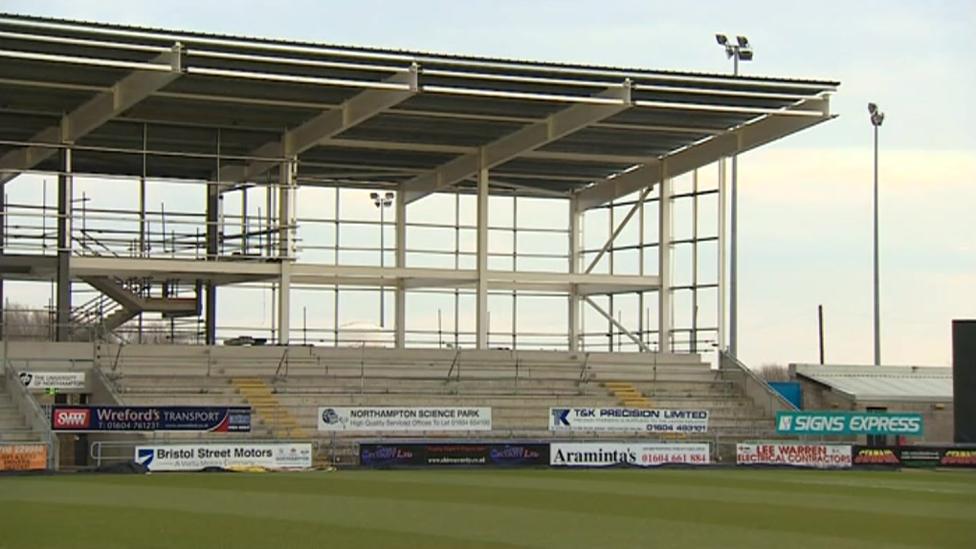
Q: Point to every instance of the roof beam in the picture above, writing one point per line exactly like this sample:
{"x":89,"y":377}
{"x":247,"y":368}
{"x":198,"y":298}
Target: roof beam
{"x":526,"y":139}
{"x":748,"y":136}
{"x":326,"y":125}
{"x":105,"y":106}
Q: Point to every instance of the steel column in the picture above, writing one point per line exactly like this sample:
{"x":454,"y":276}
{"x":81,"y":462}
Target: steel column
{"x":400,"y":323}
{"x":481,"y":338}
{"x":63,"y":312}
{"x":664,"y":262}
{"x":286,"y":213}
{"x":574,"y":263}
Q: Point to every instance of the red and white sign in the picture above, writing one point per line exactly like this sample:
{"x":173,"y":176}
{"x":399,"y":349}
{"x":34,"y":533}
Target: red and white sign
{"x":821,"y":456}
{"x":71,"y":418}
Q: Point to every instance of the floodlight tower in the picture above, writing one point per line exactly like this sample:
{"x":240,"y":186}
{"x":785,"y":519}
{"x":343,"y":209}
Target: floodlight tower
{"x":740,"y":51}
{"x":382,"y":202}
{"x":877,"y":117}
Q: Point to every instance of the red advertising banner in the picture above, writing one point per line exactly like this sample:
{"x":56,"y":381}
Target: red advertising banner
{"x":821,"y":456}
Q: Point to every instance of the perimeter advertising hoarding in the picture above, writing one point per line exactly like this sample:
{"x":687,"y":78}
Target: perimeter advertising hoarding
{"x":453,"y":454}
{"x":62,"y":381}
{"x":628,"y":420}
{"x":403,"y":419}
{"x":23,"y":457}
{"x":599,"y":454}
{"x":820,"y":456}
{"x":915,"y":456}
{"x":849,"y":423}
{"x":197,"y":457}
{"x":218,"y":419}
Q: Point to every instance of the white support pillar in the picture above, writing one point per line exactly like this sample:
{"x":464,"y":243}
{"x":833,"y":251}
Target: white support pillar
{"x":481,"y":337}
{"x":664,"y":262}
{"x":286,"y":248}
{"x":722,"y":195}
{"x":400,"y":323}
{"x":284,"y":303}
{"x":286,"y":209}
{"x":575,"y":218}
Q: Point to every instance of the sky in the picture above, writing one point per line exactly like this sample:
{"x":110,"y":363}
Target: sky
{"x":805,"y":202}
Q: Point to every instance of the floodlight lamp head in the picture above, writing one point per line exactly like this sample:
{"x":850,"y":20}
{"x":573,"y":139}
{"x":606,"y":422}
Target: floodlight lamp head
{"x":872,"y":108}
{"x":389,"y":195}
{"x":877,"y":118}
{"x":745,"y":54}
{"x":374,"y":196}
{"x":721,"y":39}
{"x":743,"y":41}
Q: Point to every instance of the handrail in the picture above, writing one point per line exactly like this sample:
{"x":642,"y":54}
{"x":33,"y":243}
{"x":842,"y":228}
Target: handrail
{"x":282,"y":361}
{"x":455,"y":362}
{"x":726,"y":358}
{"x":29,"y":406}
{"x":583,"y":368}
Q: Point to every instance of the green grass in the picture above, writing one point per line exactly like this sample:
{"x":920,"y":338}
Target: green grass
{"x":493,"y":508}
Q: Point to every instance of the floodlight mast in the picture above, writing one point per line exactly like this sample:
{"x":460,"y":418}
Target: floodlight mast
{"x":741,"y":50}
{"x":877,"y":117}
{"x":382,"y":202}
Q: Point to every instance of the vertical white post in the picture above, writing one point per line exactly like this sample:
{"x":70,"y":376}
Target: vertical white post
{"x":664,"y":262}
{"x":481,"y":338}
{"x":574,"y":266}
{"x":722,"y":196}
{"x":286,"y":194}
{"x":400,"y":322}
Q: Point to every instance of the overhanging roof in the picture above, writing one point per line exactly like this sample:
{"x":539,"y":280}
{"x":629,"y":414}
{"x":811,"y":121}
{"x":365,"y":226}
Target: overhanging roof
{"x":883,"y":383}
{"x":423,"y":122}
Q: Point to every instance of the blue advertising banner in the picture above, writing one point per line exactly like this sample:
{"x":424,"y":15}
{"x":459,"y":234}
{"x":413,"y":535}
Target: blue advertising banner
{"x":489,"y":454}
{"x":849,"y":423}
{"x":218,"y":419}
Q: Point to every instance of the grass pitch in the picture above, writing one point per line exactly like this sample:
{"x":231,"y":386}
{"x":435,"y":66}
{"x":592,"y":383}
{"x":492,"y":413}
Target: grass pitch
{"x":492,"y":509}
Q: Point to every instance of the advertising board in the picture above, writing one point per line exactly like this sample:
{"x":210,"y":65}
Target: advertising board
{"x":62,"y":381}
{"x":915,"y":456}
{"x":403,"y":419}
{"x":628,"y":420}
{"x":849,"y":423}
{"x":218,"y":419}
{"x":453,"y":454}
{"x":197,"y":457}
{"x":600,"y":454}
{"x":23,"y":457}
{"x":820,"y":456}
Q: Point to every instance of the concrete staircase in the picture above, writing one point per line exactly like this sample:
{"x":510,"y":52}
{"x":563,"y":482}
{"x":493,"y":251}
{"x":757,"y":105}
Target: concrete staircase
{"x":14,"y":427}
{"x":267,"y":409}
{"x":628,"y":394}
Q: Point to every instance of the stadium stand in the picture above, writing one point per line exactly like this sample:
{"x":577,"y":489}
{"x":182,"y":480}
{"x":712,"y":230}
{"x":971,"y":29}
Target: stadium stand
{"x":287,"y":385}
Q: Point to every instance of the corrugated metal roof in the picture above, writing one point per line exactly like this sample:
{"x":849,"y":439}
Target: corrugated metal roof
{"x":878,"y":383}
{"x":235,"y":94}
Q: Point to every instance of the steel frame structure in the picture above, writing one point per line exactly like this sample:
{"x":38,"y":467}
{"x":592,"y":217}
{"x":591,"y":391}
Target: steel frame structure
{"x":250,"y":116}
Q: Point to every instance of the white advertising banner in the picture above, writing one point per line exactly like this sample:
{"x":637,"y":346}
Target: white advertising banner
{"x":821,"y":456}
{"x":390,"y":418}
{"x":62,"y":381}
{"x":196,"y":457}
{"x":599,"y":454}
{"x":628,"y":420}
